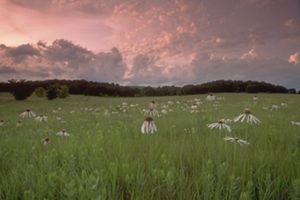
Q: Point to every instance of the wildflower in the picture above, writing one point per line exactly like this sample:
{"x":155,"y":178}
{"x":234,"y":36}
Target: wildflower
{"x":63,"y":133}
{"x":19,"y":123}
{"x":295,"y":123}
{"x":219,"y":125}
{"x":236,"y":139}
{"x":27,"y":114}
{"x":170,"y":102}
{"x":45,"y":141}
{"x":148,"y":126}
{"x":41,"y":118}
{"x":1,"y":122}
{"x":248,"y":117}
{"x":255,"y":98}
{"x":210,"y":97}
{"x":283,"y":104}
{"x":194,"y":107}
{"x":275,"y":107}
{"x":163,"y":111}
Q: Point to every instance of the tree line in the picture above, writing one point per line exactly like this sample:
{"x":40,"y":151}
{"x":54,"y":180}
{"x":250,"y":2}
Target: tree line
{"x":21,"y":89}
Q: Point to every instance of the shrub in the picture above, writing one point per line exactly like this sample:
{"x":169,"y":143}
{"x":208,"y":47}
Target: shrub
{"x":40,"y":92}
{"x":52,"y":92}
{"x":63,"y":91}
{"x":21,"y":90}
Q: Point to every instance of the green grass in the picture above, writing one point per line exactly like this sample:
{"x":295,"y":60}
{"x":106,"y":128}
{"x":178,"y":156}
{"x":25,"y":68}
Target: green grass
{"x":106,"y":157}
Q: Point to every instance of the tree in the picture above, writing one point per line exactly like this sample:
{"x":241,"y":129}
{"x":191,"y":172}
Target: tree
{"x":52,"y":91}
{"x":21,"y":89}
{"x":63,"y":91}
{"x":40,"y":92}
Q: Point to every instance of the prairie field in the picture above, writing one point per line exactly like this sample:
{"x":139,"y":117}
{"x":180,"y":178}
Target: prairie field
{"x":107,"y":157}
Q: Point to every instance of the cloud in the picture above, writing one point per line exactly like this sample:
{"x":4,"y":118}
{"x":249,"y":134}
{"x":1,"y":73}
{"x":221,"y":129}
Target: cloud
{"x":294,"y":58}
{"x":61,"y":59}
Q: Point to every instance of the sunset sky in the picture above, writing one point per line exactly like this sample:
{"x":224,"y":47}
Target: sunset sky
{"x":151,"y":42}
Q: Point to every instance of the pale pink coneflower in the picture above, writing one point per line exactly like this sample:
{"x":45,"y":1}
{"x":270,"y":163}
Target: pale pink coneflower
{"x":148,"y":126}
{"x":295,"y":123}
{"x":219,"y":125}
{"x":248,"y":117}
{"x":63,"y":133}
{"x":255,"y":98}
{"x":210,"y":97}
{"x":46,"y":141}
{"x":236,"y":139}
{"x":27,"y":114}
{"x":41,"y":118}
{"x":19,"y":124}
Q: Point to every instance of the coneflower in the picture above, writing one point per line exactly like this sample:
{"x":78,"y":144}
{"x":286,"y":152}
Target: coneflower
{"x":19,"y":123}
{"x":236,"y":139}
{"x":41,"y":118}
{"x":1,"y":122}
{"x":27,"y":114}
{"x":255,"y":98}
{"x":63,"y":133}
{"x":45,"y":141}
{"x":210,"y":97}
{"x":219,"y":125}
{"x":248,"y":117}
{"x":148,"y":126}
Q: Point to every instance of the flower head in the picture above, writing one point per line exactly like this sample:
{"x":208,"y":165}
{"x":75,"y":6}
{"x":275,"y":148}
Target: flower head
{"x":236,"y":139}
{"x":27,"y":114}
{"x":1,"y":122}
{"x":19,"y":123}
{"x":45,"y":141}
{"x":210,"y":97}
{"x":148,"y":126}
{"x":41,"y":118}
{"x":219,"y":125}
{"x":248,"y":117}
{"x":63,"y":133}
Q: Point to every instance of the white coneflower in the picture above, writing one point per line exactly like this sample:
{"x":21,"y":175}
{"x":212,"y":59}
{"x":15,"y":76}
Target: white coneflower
{"x":170,"y":102}
{"x":283,"y":104}
{"x":295,"y":123}
{"x":164,"y":111}
{"x":19,"y":123}
{"x":194,"y":107}
{"x":148,"y":126}
{"x":41,"y":118}
{"x":219,"y":125}
{"x":274,"y":107}
{"x":255,"y":98}
{"x":210,"y":97}
{"x":45,"y":141}
{"x":1,"y":122}
{"x":63,"y":133}
{"x":27,"y":114}
{"x":236,"y":139}
{"x":248,"y":117}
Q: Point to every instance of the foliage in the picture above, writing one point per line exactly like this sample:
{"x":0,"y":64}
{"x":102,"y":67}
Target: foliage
{"x":63,"y":91}
{"x":21,"y":89}
{"x":91,"y":88}
{"x":52,"y":91}
{"x":40,"y":92}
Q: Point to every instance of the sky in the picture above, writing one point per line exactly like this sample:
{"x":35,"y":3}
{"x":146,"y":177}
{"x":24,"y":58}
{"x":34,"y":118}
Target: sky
{"x":151,"y":42}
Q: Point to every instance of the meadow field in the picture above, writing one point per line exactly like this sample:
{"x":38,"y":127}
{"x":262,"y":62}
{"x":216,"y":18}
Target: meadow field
{"x":107,"y":157}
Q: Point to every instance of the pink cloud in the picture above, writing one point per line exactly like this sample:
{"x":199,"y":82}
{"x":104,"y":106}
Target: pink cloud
{"x":294,"y":58}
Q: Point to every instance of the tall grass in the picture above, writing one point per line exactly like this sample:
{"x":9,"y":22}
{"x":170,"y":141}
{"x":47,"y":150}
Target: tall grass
{"x":106,"y":156}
